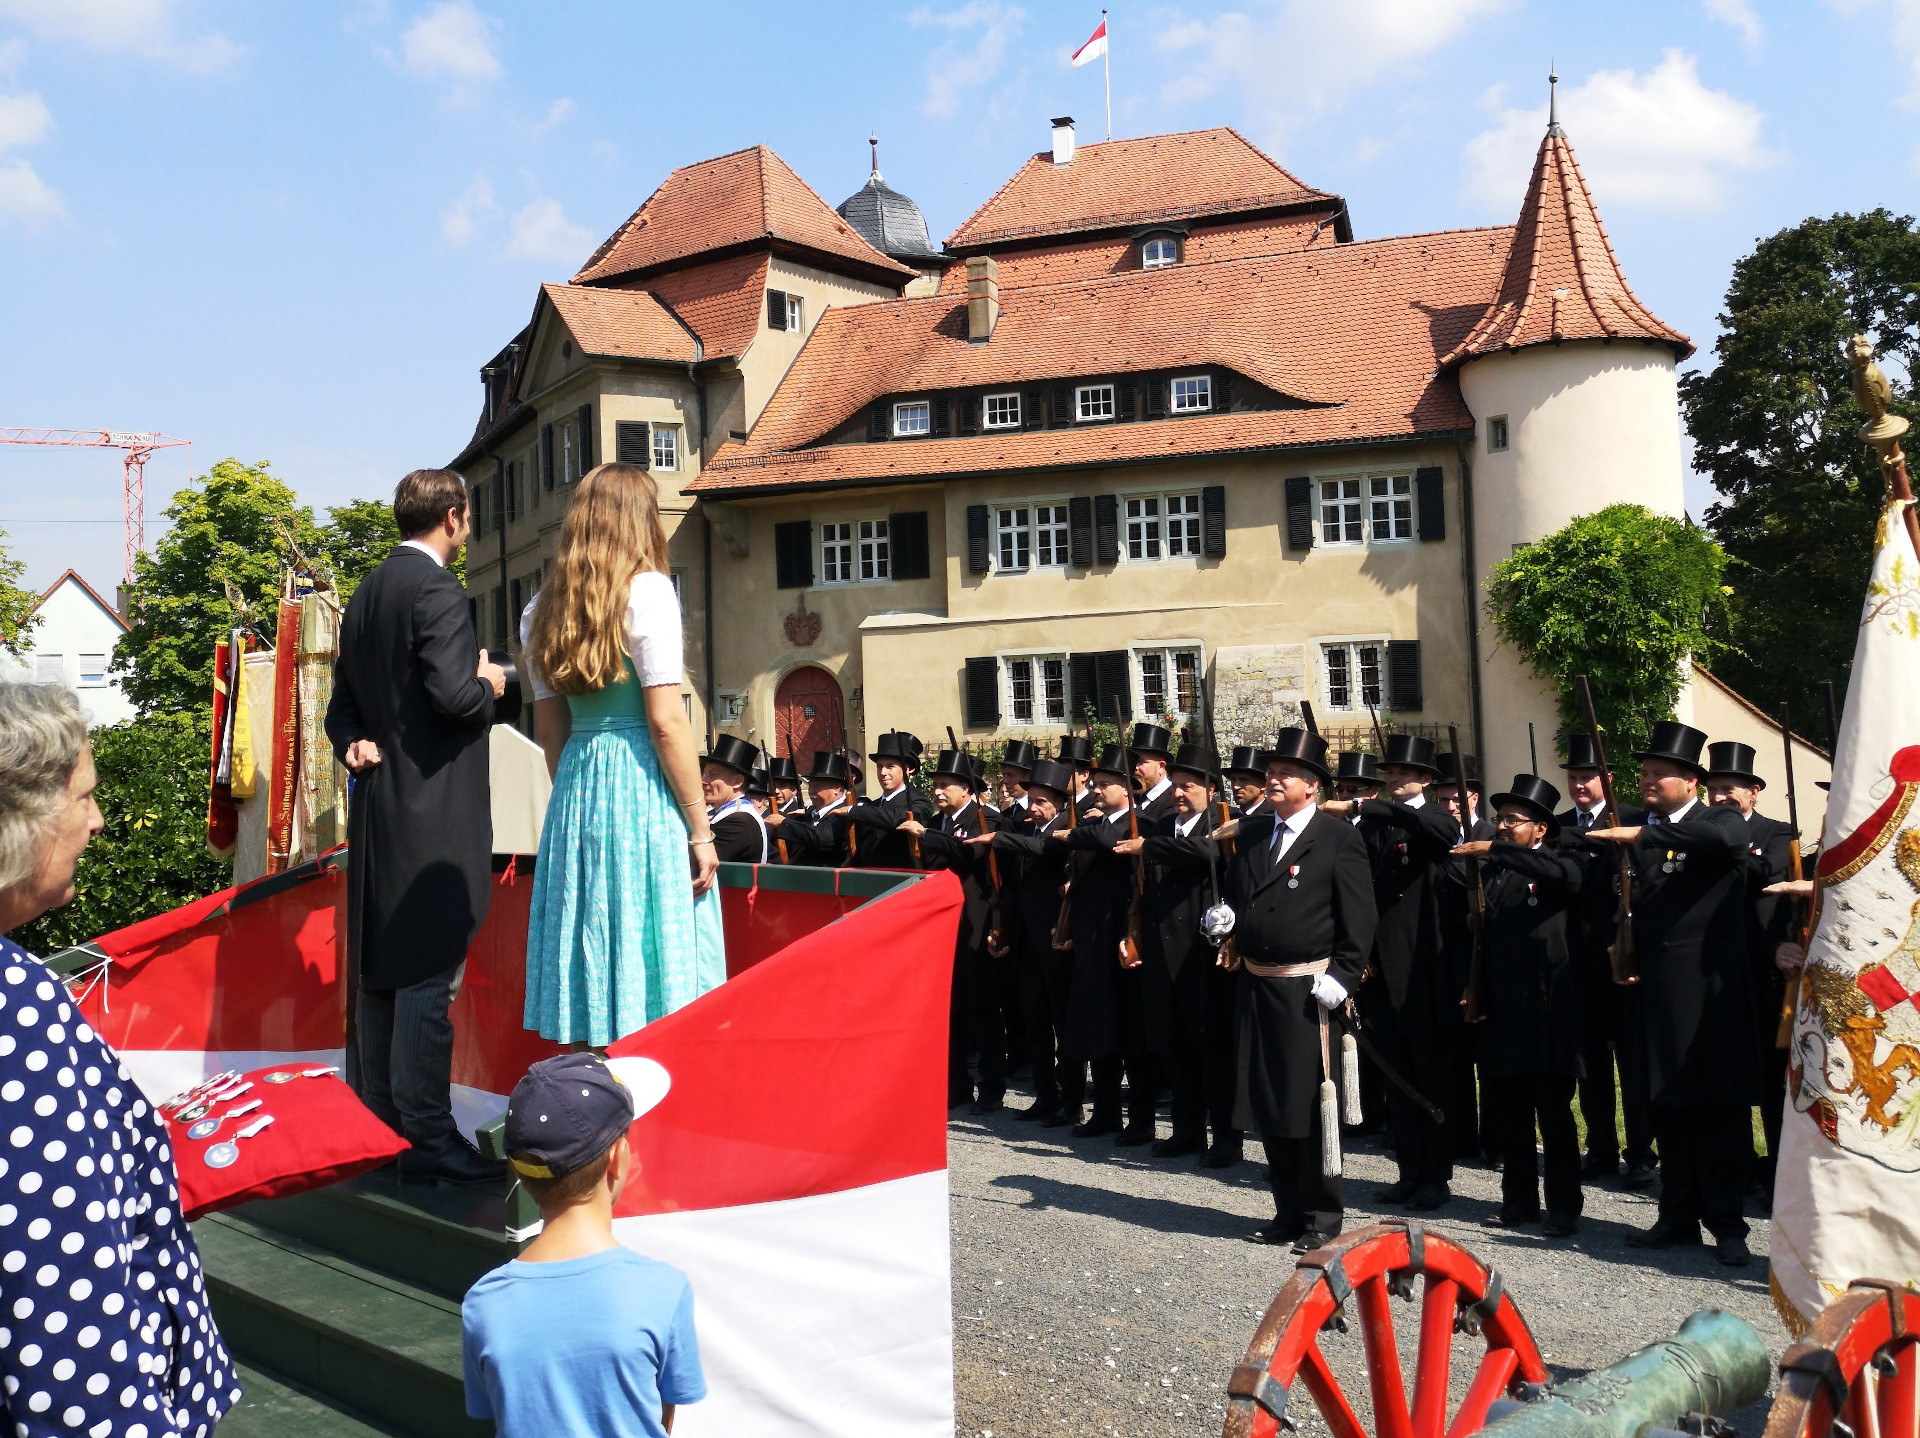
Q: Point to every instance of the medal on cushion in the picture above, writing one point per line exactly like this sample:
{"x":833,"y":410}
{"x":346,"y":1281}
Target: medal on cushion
{"x":289,"y":1075}
{"x":205,"y":1127}
{"x":187,"y":1097}
{"x":204,"y":1106}
{"x":227,"y":1153}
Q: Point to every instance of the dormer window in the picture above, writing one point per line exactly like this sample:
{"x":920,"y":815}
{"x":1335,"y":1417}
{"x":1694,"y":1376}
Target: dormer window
{"x":912,"y":420}
{"x":1001,"y":411}
{"x":1093,"y":402}
{"x":1158,"y":252}
{"x":1192,"y":393}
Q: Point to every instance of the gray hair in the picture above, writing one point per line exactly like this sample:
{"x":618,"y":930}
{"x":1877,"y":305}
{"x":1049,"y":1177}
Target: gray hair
{"x":42,"y":734}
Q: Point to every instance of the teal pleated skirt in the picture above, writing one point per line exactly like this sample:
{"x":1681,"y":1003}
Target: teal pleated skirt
{"x":615,"y":939}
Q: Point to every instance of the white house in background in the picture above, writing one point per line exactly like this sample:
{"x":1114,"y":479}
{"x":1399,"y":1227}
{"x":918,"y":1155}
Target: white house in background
{"x":72,"y":644}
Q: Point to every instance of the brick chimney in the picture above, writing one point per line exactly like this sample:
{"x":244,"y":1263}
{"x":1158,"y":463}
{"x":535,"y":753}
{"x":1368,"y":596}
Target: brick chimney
{"x":983,"y":297}
{"x":1063,"y":140}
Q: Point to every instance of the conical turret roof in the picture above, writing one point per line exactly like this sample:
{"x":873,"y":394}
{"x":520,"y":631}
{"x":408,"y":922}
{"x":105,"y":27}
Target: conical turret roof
{"x":1562,"y":281}
{"x":889,"y":221}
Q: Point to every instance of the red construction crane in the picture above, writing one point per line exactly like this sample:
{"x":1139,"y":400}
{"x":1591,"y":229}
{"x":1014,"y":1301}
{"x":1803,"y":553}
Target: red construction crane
{"x":133,"y":465}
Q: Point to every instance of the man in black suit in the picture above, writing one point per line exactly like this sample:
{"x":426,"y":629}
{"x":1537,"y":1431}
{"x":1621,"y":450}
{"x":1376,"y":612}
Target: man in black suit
{"x":726,"y":779}
{"x":813,"y":836}
{"x":881,"y":841}
{"x":413,"y":696}
{"x":1731,"y":782}
{"x":1303,"y":898}
{"x":1604,"y":1004}
{"x":1691,"y":1042}
{"x":1247,"y":776}
{"x":1456,"y":939}
{"x":1152,"y":749}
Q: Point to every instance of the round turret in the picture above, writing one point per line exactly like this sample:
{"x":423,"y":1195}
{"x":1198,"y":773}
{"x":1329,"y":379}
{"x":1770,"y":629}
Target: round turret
{"x":889,"y":221}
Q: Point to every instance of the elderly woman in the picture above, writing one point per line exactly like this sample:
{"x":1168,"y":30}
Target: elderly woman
{"x":104,"y":1325}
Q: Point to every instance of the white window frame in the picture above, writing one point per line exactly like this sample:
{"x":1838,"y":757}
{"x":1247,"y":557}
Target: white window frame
{"x":796,"y":315}
{"x":671,"y":434}
{"x":901,"y":411}
{"x":49,"y":668}
{"x":873,"y":550}
{"x":93,"y":676}
{"x":1148,"y":261}
{"x":1352,"y":644}
{"x":731,"y":705}
{"x":1017,"y":535}
{"x":1353,"y":510}
{"x":1392,"y":498}
{"x":986,"y":410}
{"x":1059,"y":533}
{"x":1034,"y":658}
{"x":1161,"y":522}
{"x":1498,"y":434}
{"x":1166,"y":650}
{"x":1087,"y":399}
{"x":1144,"y":531}
{"x":836,"y":540}
{"x":1198,"y":400}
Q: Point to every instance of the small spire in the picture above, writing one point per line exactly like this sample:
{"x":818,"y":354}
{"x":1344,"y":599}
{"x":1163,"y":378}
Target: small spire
{"x":874,"y":140}
{"x":1553,"y":100}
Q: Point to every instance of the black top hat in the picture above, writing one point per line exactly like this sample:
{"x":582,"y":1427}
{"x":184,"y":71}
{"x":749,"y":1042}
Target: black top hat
{"x":1443,"y":765}
{"x":1197,"y":757}
{"x":735,"y":754}
{"x":1536,"y":796}
{"x":1052,"y":774}
{"x":1076,"y":749}
{"x":1246,"y":759}
{"x":1152,"y":740}
{"x":952,"y":764}
{"x":828,"y":768}
{"x":899,"y":746}
{"x":782,"y":770}
{"x":1297,"y":746}
{"x":978,"y":768}
{"x":1411,"y":750}
{"x":1112,"y":760}
{"x":1729,"y":760}
{"x":757,"y":783}
{"x":1580,"y":753}
{"x":1677,"y":743}
{"x":856,"y":771}
{"x":1019,"y":754}
{"x":1358,"y":766}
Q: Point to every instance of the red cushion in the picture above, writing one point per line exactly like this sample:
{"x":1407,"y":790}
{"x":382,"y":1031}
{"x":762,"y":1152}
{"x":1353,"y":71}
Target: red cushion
{"x":321,"y":1133}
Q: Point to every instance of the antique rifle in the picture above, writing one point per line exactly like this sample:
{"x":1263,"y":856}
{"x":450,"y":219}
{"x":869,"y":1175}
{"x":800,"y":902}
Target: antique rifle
{"x":996,"y":941}
{"x":853,"y":835}
{"x":1228,"y":956}
{"x":1622,"y":956}
{"x":1130,"y":946}
{"x":773,"y":804}
{"x":1476,"y":998}
{"x":1379,"y":739}
{"x":1063,"y":921}
{"x":1790,"y":999}
{"x":1533,"y":753}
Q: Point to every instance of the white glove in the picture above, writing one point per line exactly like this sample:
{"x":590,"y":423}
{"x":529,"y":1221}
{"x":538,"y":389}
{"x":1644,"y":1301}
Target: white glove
{"x":1329,"y":991}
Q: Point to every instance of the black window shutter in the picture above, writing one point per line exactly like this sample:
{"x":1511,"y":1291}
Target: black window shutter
{"x":632,"y":440}
{"x":793,"y":554}
{"x":1156,"y":398}
{"x":1213,"y":521}
{"x":586,"y":437}
{"x":1430,"y":487}
{"x":776,"y":309}
{"x":908,"y":535}
{"x":1300,"y":512}
{"x":983,"y":692}
{"x":943,"y":416}
{"x":546,"y":456}
{"x":968,"y":421}
{"x":477,"y":507}
{"x":879,"y":424}
{"x":1062,"y":405}
{"x":1403,"y":676}
{"x":1084,"y":675}
{"x":1223,"y":391}
{"x":1080,"y":531}
{"x":1106,"y":528}
{"x":1030,"y":409}
{"x":977,"y":538}
{"x":1123,"y":399}
{"x":513,"y":489}
{"x":1114,"y":681}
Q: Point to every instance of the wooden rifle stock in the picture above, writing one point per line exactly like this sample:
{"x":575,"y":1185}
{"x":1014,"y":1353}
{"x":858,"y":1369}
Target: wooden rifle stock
{"x":1476,"y":997}
{"x":1130,"y":946}
{"x":1622,"y":956}
{"x":1063,"y":921}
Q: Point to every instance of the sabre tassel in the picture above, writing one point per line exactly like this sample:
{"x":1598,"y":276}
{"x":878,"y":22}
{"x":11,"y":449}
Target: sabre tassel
{"x":1329,"y":1129}
{"x":1350,"y":1078}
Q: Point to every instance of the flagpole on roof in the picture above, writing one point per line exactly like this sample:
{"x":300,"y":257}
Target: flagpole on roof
{"x":1106,"y":66}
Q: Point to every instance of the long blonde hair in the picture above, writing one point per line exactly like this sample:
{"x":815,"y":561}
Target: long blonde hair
{"x":611,"y":533}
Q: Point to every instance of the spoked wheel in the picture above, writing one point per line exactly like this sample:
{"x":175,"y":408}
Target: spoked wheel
{"x":1357,"y":1276}
{"x":1857,"y":1372}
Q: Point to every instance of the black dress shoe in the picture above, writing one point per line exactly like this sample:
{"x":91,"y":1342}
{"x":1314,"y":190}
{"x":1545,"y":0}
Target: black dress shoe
{"x":1600,"y":1165}
{"x":1040,"y":1112}
{"x":959,"y":1100}
{"x":1732,"y":1250}
{"x":1398,"y":1192}
{"x":1639,"y":1175}
{"x":1561,"y":1225}
{"x":1178,"y":1146}
{"x":1430,"y":1196}
{"x":1312,"y":1239}
{"x":1095,"y":1126}
{"x":1134,"y":1135}
{"x":987,"y":1103}
{"x":1067,"y":1116}
{"x":1276,"y":1234}
{"x":457,"y":1161}
{"x":1222,"y":1155}
{"x":1509,"y":1218}
{"x":1667,"y":1235}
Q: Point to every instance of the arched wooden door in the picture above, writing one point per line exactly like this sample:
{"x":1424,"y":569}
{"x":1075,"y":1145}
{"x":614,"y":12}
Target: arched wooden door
{"x":808,"y":715}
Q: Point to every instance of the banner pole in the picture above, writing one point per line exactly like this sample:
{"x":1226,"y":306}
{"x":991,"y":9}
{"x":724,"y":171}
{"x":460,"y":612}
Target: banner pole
{"x":1106,"y":65}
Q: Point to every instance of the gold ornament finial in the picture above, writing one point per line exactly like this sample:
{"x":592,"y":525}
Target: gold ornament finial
{"x":1873,"y":394}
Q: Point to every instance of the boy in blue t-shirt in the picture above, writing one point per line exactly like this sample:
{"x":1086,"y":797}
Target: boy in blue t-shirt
{"x":578,"y":1335}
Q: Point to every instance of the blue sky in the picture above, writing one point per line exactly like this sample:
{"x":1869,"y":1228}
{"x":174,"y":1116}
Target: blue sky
{"x":294,"y":232}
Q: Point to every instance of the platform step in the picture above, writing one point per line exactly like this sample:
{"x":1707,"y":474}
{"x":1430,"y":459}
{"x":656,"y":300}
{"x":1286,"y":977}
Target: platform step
{"x":272,"y":1406}
{"x":385,"y":1348}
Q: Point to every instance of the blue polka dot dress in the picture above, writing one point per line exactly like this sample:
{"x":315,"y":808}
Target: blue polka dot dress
{"x":104,"y":1325}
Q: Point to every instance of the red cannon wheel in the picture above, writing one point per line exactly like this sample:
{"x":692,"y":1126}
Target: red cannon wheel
{"x":1857,"y":1371}
{"x":1358,"y":1274}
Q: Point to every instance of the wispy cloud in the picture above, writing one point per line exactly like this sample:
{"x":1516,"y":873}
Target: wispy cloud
{"x":461,"y":218}
{"x":452,"y":43}
{"x":980,"y":31}
{"x":150,"y":29}
{"x":1737,"y":14}
{"x":558,"y":113}
{"x":1291,"y":62}
{"x":1661,"y":141}
{"x":542,"y":231}
{"x":25,"y":198}
{"x":24,"y":120}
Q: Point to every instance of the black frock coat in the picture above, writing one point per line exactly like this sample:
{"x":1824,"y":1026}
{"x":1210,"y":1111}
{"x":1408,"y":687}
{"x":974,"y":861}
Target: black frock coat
{"x":1590,"y":925}
{"x":881,"y":844}
{"x":1033,"y":867}
{"x":1691,"y":1036}
{"x":1103,"y":1012}
{"x":1769,"y":919}
{"x":944,"y":846}
{"x":1330,"y":915}
{"x":1532,"y":990}
{"x":1408,"y":848}
{"x":743,"y":838}
{"x":1178,"y":957}
{"x":813,"y":839}
{"x":420,"y":826}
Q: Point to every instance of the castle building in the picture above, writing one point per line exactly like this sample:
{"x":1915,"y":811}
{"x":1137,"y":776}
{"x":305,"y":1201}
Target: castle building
{"x":1153,"y":429}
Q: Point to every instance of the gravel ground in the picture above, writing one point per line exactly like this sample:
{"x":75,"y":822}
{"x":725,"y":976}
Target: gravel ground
{"x":1098,"y":1291}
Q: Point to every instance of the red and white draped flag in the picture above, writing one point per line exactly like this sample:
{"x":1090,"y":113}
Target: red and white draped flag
{"x":1095,"y":47}
{"x":1846,"y":1200}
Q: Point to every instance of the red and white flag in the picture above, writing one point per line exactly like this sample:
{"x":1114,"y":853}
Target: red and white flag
{"x":1095,"y":47}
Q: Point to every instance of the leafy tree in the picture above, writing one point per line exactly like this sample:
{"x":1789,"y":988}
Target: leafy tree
{"x":1626,"y":597}
{"x":358,"y":535}
{"x":16,"y":619}
{"x":152,"y":856}
{"x":228,"y":528}
{"x":1775,"y":425}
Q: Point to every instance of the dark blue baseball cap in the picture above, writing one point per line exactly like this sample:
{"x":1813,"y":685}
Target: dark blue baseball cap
{"x":564,"y":1114}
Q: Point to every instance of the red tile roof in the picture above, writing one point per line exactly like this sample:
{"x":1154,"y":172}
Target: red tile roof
{"x":1118,"y":183}
{"x":1356,"y":331}
{"x":750,"y":197}
{"x":721,"y":302}
{"x":1562,"y":280}
{"x":621,"y":324}
{"x":1081,"y":258}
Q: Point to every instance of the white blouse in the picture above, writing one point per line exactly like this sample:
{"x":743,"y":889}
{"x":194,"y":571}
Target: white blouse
{"x":650,"y":632}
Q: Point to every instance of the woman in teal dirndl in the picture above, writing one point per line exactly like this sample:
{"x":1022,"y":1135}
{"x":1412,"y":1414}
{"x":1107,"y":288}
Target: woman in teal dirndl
{"x":625,"y":925}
